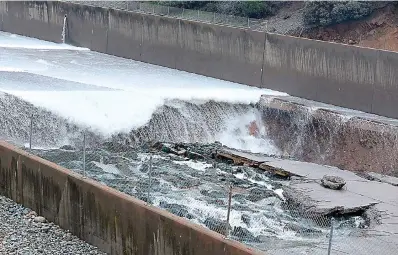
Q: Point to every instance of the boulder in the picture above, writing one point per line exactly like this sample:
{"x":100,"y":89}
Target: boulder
{"x":333,"y":182}
{"x":243,"y":234}
{"x":216,"y":225}
{"x":256,"y":194}
{"x":176,"y":209}
{"x":68,"y":148}
{"x":301,"y":229}
{"x":246,"y":219}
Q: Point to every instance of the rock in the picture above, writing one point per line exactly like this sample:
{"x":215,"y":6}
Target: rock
{"x":333,"y":182}
{"x":39,"y":219}
{"x":116,"y":147}
{"x":176,"y":209}
{"x":256,"y":194}
{"x":286,"y":16}
{"x":216,"y":225}
{"x":239,"y":197}
{"x":351,"y":42}
{"x":131,"y":155}
{"x":243,"y":234}
{"x":302,"y":229}
{"x":68,"y":148}
{"x":246,"y":219}
{"x":194,"y":155}
{"x":31,"y":214}
{"x":213,"y":194}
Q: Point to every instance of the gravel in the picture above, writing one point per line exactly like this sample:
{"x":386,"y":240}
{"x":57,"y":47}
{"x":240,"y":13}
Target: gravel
{"x":23,"y":232}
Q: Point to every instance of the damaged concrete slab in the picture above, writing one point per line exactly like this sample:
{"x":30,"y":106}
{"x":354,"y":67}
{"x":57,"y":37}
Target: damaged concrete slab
{"x":377,"y":199}
{"x":242,"y":158}
{"x":382,"y":178}
{"x":306,"y":192}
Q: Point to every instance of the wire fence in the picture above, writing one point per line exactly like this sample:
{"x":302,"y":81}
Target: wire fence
{"x":181,"y":13}
{"x":238,"y":202}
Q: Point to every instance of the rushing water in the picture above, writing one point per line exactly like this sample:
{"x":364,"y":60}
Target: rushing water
{"x":69,"y":90}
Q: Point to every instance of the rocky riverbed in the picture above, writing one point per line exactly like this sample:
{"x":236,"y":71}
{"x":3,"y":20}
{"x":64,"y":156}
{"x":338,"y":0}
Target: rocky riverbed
{"x":188,"y":181}
{"x":22,"y":231}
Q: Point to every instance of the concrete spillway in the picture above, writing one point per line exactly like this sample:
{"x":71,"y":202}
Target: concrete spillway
{"x":123,"y":102}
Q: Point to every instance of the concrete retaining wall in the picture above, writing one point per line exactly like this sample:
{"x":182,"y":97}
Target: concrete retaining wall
{"x":102,"y":216}
{"x":329,"y":136}
{"x":348,"y":76}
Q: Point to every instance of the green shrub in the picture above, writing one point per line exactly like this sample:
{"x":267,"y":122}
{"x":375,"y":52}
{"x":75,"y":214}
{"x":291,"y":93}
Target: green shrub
{"x":327,"y":13}
{"x":251,"y":9}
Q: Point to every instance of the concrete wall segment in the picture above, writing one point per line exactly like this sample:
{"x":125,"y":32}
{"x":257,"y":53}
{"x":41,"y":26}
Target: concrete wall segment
{"x":102,"y":216}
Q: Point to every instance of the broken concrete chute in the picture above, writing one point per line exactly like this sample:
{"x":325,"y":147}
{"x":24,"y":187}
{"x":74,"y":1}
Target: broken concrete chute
{"x":306,"y":193}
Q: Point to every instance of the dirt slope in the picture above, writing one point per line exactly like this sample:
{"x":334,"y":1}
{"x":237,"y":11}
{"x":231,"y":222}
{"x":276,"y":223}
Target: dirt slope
{"x":380,"y":30}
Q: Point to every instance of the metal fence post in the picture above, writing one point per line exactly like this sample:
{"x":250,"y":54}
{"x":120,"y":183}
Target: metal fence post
{"x":182,"y":12}
{"x":229,"y":211}
{"x":214,"y":17}
{"x":198,"y":15}
{"x":168,"y":10}
{"x":30,"y":132}
{"x":150,"y":180}
{"x":331,"y":235}
{"x":84,"y":154}
{"x":248,"y":22}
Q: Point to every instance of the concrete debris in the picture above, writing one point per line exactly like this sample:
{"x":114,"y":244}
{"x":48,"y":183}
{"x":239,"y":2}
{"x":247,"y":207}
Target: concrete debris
{"x":241,"y":158}
{"x":178,"y":149}
{"x":333,"y":182}
{"x":382,"y":178}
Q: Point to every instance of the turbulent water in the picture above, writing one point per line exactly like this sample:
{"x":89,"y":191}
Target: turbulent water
{"x":58,"y":92}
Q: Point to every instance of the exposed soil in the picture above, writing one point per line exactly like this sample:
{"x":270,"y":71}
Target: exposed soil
{"x":380,"y":30}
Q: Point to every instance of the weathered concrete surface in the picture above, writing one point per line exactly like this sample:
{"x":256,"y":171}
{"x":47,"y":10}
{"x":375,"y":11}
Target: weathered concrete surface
{"x":326,"y":134}
{"x":348,"y":76}
{"x":102,"y":216}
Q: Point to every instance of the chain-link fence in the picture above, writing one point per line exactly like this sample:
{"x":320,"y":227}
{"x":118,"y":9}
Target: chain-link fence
{"x":240,"y":202}
{"x":181,"y":13}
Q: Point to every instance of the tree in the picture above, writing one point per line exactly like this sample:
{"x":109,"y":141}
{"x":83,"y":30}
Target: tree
{"x":327,"y":13}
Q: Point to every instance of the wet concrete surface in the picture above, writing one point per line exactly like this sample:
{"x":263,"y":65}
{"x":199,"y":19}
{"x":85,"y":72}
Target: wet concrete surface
{"x":332,"y":108}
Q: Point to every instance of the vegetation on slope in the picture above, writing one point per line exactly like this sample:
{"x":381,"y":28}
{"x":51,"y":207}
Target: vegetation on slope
{"x":315,"y":13}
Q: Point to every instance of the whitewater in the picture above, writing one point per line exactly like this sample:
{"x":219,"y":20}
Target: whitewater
{"x":111,"y":94}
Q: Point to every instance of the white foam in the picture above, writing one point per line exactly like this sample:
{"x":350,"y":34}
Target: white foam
{"x":8,"y":40}
{"x":242,"y":176}
{"x":142,"y":88}
{"x":200,"y":166}
{"x":238,"y":128}
{"x":279,"y":193}
{"x":10,"y":69}
{"x":107,"y":168}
